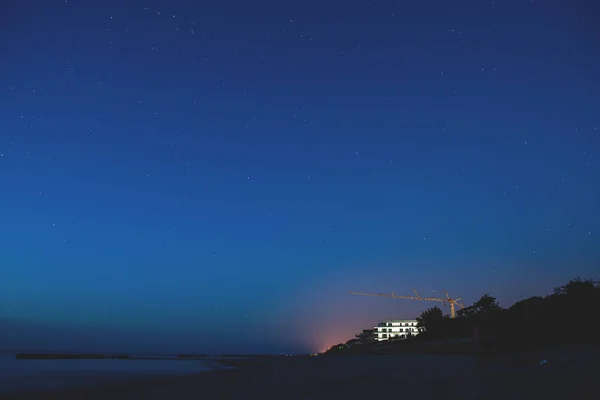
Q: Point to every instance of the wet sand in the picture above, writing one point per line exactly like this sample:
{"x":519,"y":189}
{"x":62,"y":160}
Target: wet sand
{"x":569,"y":375}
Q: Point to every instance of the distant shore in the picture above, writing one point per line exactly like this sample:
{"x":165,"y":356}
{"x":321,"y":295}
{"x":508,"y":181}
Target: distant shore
{"x":95,"y":356}
{"x":569,"y":373}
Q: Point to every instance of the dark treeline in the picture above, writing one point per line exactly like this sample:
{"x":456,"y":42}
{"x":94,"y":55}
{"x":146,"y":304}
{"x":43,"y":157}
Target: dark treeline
{"x":568,"y":316}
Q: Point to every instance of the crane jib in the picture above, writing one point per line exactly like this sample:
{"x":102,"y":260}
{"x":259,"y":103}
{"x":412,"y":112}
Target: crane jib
{"x":452,"y":302}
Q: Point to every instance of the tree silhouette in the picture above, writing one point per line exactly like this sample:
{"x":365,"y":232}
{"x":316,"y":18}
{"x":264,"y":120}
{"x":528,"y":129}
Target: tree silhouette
{"x":577,"y":288}
{"x":485,"y":306}
{"x":430,"y":319}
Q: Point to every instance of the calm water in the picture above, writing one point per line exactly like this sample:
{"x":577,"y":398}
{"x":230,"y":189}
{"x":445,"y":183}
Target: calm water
{"x":24,"y":375}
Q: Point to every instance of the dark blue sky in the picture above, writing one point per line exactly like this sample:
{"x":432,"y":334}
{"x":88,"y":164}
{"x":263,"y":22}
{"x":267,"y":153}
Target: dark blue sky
{"x":217,"y":176}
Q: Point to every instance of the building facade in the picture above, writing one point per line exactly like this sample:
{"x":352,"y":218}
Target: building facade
{"x":395,"y":329}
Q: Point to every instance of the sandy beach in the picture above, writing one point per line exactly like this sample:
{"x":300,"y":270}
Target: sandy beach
{"x":569,"y":374}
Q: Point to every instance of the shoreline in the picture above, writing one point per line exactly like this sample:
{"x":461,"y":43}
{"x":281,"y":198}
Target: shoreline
{"x":26,"y":376}
{"x":571,"y":374}
{"x":121,"y":356}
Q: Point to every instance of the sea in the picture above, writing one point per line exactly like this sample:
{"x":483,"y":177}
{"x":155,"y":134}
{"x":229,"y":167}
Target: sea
{"x":18,"y":376}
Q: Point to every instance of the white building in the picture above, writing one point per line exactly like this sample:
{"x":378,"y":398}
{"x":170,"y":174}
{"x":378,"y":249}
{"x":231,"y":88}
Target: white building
{"x":395,"y":329}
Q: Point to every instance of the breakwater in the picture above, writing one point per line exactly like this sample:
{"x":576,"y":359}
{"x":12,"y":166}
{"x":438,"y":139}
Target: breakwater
{"x":110,"y":356}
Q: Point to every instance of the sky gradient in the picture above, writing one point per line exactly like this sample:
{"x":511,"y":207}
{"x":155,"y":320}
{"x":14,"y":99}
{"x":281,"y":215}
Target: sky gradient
{"x":217,"y":176}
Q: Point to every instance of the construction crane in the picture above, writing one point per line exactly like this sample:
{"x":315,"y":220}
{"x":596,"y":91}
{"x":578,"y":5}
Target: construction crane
{"x":452,"y":302}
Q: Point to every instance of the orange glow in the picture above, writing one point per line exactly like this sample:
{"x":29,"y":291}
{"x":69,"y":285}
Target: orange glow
{"x":332,"y":338}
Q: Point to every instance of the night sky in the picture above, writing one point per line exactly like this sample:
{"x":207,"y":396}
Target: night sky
{"x":217,"y":176}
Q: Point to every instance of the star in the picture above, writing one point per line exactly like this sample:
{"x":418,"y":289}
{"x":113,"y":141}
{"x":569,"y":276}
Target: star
{"x":288,"y":102}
